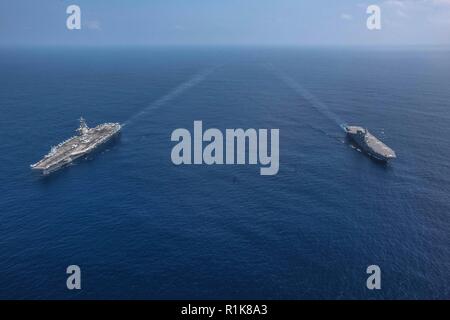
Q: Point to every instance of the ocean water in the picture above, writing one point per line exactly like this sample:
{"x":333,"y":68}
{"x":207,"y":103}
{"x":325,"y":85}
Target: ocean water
{"x":140,"y":227}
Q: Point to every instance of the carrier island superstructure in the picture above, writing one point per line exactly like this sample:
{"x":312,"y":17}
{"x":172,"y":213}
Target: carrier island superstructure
{"x":87,"y":140}
{"x":369,"y":143}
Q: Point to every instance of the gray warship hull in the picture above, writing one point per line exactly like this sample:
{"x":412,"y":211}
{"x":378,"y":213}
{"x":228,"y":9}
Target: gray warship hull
{"x":369,"y":143}
{"x":87,"y":140}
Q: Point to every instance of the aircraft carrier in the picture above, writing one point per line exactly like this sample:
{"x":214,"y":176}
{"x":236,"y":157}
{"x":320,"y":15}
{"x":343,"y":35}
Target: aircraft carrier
{"x":87,"y":140}
{"x":369,"y":143}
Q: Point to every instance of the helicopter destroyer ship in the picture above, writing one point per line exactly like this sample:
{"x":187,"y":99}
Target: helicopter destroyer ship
{"x":369,"y":143}
{"x":87,"y":140}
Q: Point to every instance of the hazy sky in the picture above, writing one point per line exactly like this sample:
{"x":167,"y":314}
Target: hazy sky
{"x":224,"y":22}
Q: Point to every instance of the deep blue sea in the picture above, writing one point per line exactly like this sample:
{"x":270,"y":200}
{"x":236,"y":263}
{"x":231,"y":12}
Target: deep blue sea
{"x":141,"y":227}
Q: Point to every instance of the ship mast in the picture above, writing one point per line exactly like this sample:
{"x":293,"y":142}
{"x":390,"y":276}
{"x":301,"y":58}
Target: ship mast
{"x":83,"y":129}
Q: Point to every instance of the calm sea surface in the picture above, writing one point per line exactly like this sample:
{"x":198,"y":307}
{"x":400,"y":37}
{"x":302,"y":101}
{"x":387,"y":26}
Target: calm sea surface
{"x":140,"y":227}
